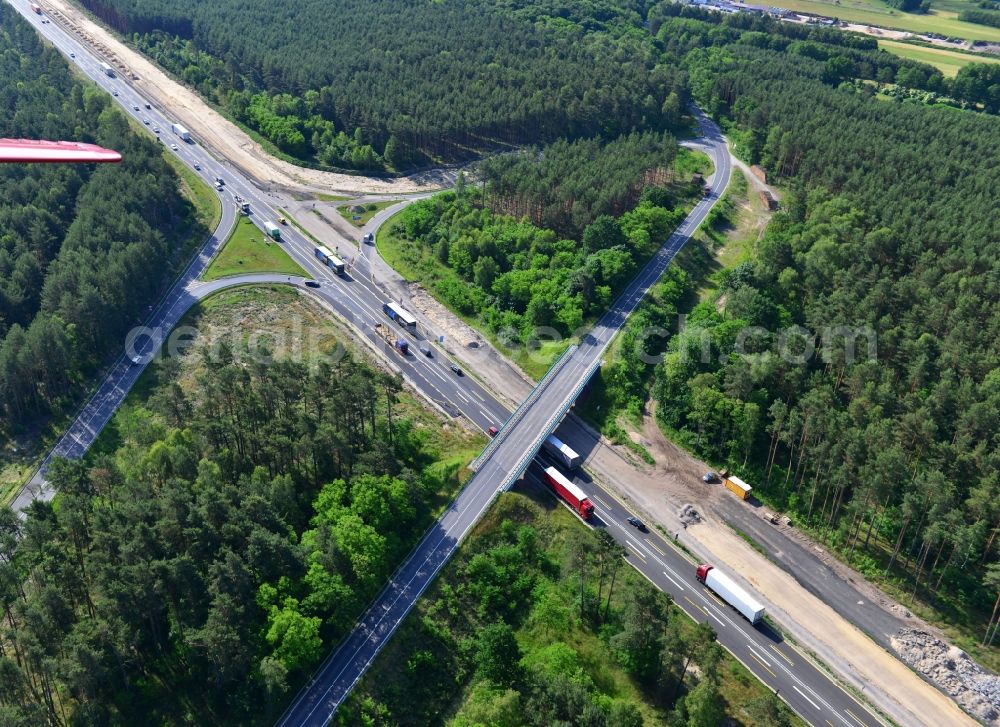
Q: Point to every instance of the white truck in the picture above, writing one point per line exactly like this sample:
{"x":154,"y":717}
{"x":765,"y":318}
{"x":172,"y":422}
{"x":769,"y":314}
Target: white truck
{"x":108,"y":70}
{"x":181,"y":132}
{"x":729,"y":591}
{"x":562,"y":451}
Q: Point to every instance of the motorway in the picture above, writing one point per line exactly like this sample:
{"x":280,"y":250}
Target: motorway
{"x":357,"y":299}
{"x":803,"y":686}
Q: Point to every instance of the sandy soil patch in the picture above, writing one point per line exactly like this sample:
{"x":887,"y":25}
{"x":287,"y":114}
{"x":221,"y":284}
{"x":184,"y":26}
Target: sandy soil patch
{"x":212,"y":130}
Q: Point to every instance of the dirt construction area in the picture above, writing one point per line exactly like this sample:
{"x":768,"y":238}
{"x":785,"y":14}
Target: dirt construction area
{"x":658,"y":491}
{"x":211,"y":129}
{"x":662,"y":490}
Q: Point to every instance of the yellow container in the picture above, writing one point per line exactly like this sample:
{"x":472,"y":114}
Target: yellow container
{"x":738,"y":487}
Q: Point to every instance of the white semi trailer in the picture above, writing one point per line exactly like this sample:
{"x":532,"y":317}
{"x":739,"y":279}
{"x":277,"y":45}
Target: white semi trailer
{"x":729,"y":591}
{"x":562,"y":451}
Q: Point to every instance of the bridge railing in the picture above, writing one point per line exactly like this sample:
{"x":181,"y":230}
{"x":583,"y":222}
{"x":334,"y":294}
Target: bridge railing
{"x":520,"y":411}
{"x":550,"y":425}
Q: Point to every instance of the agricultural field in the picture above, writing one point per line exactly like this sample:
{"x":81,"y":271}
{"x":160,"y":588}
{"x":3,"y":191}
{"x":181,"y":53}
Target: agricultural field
{"x":947,"y":61}
{"x":872,"y":12}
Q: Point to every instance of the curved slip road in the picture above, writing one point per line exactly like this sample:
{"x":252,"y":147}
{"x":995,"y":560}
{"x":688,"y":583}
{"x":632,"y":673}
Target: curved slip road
{"x":358,"y":300}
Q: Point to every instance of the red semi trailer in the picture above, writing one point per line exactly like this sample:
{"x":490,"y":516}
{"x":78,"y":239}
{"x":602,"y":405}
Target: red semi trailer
{"x":569,"y":492}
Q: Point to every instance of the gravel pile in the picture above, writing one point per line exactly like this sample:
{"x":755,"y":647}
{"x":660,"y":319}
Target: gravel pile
{"x":973,"y":687}
{"x":688,"y":515}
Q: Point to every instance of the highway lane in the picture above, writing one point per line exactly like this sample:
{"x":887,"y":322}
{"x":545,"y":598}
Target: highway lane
{"x":810,"y":692}
{"x":778,"y":664}
{"x":359,"y":301}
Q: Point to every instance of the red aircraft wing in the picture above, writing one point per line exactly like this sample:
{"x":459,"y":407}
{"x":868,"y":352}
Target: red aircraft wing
{"x":60,"y":152}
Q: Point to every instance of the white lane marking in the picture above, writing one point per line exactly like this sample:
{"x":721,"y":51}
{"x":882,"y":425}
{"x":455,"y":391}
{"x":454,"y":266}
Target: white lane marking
{"x":805,"y":697}
{"x":754,"y":652}
{"x":712,"y":614}
{"x":673,"y":581}
{"x":638,"y":552}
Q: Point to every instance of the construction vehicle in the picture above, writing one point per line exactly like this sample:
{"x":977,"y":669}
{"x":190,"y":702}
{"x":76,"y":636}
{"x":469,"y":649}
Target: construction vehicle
{"x":729,"y":591}
{"x":387,"y":335}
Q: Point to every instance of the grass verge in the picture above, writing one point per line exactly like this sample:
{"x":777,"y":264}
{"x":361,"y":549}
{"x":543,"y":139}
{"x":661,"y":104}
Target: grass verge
{"x":248,"y":250}
{"x":207,"y":205}
{"x":371,"y":209}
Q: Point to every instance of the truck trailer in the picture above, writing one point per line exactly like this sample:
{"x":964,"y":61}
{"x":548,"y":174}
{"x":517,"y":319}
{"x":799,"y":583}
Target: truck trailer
{"x":729,"y":591}
{"x":329,"y":259}
{"x":737,"y":486}
{"x":400,"y":315}
{"x":386,"y":334}
{"x":569,"y":492}
{"x":272,"y":230}
{"x":562,"y":451}
{"x":108,"y":70}
{"x":181,"y":132}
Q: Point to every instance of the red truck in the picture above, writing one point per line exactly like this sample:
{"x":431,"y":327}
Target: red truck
{"x":569,"y":492}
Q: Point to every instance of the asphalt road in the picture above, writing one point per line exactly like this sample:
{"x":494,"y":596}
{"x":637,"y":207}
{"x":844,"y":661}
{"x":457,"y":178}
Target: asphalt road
{"x":809,"y":691}
{"x":358,"y":300}
{"x":778,"y":664}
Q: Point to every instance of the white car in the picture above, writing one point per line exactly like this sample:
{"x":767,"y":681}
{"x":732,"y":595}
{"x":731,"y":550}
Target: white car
{"x":134,"y":107}
{"x":197,"y":166}
{"x":114,"y":93}
{"x":146,"y":122}
{"x":156,"y":130}
{"x":174,"y":147}
{"x":72,"y":55}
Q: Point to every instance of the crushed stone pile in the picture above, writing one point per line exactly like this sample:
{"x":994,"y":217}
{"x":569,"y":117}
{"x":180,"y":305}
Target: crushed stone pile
{"x":688,"y":515}
{"x":974,"y":688}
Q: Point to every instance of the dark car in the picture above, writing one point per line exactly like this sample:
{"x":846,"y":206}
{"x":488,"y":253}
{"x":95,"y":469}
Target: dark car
{"x":455,"y":368}
{"x":710,"y":477}
{"x":312,"y":284}
{"x":426,"y":351}
{"x":636,"y":523}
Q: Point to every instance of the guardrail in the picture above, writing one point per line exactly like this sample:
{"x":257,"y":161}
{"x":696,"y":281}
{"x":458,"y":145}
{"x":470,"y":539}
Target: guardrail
{"x":550,"y":424}
{"x":518,"y":413}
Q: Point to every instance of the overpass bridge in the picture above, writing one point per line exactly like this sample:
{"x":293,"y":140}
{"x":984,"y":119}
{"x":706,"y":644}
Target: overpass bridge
{"x":502,"y":463}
